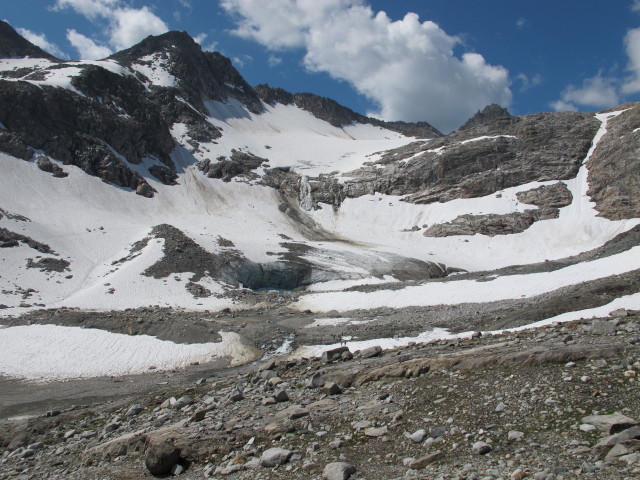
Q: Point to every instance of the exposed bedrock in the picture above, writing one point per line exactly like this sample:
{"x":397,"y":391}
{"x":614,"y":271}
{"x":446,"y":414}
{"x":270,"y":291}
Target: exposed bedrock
{"x":614,"y":167}
{"x":516,"y":150}
{"x":492,"y":224}
{"x":547,"y":196}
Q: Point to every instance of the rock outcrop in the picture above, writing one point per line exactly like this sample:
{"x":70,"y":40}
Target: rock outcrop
{"x":614,"y":169}
{"x":504,"y":153}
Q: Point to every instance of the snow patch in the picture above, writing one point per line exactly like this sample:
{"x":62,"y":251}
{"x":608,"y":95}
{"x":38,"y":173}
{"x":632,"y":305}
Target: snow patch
{"x":52,"y":352}
{"x":485,"y":137}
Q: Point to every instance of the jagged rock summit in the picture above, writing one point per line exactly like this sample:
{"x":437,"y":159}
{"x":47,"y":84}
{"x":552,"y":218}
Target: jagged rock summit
{"x":14,"y":45}
{"x":486,"y":115}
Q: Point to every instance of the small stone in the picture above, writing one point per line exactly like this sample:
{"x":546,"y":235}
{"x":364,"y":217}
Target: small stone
{"x":281,"y":396}
{"x":331,"y":388}
{"x":177,"y":470}
{"x":587,"y":427}
{"x":375,"y":431}
{"x":514,"y":435}
{"x":422,"y":462}
{"x":500,"y":407}
{"x":518,"y":474}
{"x":336,"y":444}
{"x":418,"y":436}
{"x":275,"y":456}
{"x":275,"y":381}
{"x":338,"y":471}
{"x":236,"y":395}
{"x":316,"y":381}
{"x":481,"y":448}
{"x":198,"y":415}
{"x":134,"y":410}
{"x":182,"y":402}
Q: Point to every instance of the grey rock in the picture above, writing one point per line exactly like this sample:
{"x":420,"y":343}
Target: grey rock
{"x":370,"y":352}
{"x":418,"y":436}
{"x":610,"y":424}
{"x":281,"y":396}
{"x":182,"y":402}
{"x":331,"y":388}
{"x":614,"y":172}
{"x":422,"y":462}
{"x":547,"y":196}
{"x":333,"y":354}
{"x":515,"y":435}
{"x":375,"y":431}
{"x":481,"y":448}
{"x":160,"y":457}
{"x":316,"y":381}
{"x":603,"y":327}
{"x":134,"y":410}
{"x":338,"y":471}
{"x":629,"y":434}
{"x":275,"y":456}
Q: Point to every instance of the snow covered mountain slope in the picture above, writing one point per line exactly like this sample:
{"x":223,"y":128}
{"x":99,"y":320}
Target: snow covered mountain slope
{"x":160,"y":178}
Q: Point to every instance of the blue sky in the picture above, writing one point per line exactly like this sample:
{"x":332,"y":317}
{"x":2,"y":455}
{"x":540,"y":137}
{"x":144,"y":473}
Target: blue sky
{"x":433,"y":60}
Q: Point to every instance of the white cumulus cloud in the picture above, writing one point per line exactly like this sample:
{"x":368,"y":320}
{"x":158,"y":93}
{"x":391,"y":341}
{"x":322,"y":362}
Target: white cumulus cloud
{"x":632,"y":46}
{"x":597,"y":92}
{"x":124,"y":26}
{"x":41,"y":41}
{"x":407,"y":67}
{"x":86,"y":47}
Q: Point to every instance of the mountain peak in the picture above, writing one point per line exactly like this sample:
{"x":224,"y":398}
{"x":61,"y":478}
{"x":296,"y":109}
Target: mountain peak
{"x":181,"y":42}
{"x":12,"y":44}
{"x":487,"y":114}
{"x":200,"y":75}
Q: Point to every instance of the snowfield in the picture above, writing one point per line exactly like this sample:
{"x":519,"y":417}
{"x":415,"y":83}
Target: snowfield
{"x":52,"y":352}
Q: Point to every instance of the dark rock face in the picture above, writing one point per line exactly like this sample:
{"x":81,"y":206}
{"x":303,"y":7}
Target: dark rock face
{"x":486,"y":115}
{"x":338,"y":115}
{"x":79,"y":131}
{"x":201,"y":75}
{"x":164,"y":174}
{"x":240,"y":164}
{"x":49,"y":264}
{"x":520,"y":149}
{"x":547,"y":196}
{"x":47,"y":165}
{"x":118,"y":119}
{"x":614,"y":170}
{"x":10,"y":239}
{"x":492,"y":224}
{"x":14,"y":45}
